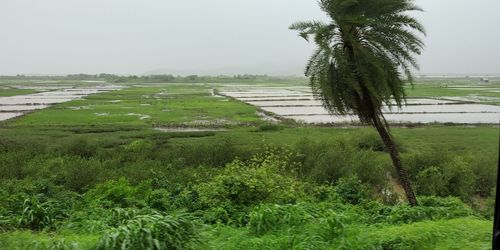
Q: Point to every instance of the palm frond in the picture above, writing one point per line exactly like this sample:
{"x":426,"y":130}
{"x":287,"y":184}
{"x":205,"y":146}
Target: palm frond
{"x":363,"y":54}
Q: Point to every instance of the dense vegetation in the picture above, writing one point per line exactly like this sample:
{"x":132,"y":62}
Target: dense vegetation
{"x":71,"y":179}
{"x":315,"y":194}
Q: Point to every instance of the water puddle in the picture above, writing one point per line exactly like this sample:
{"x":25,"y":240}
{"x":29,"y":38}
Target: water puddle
{"x":181,"y":129}
{"x":9,"y":108}
{"x":79,"y":107}
{"x":141,"y":116}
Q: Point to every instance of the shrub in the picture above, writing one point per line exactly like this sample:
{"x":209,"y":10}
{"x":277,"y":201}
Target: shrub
{"x":154,"y":231}
{"x":160,"y":199}
{"x":266,"y":218}
{"x":214,"y":153}
{"x":483,"y":168}
{"x":34,"y":204}
{"x":118,"y":193}
{"x":268,"y":127}
{"x":259,"y":180}
{"x":328,"y":161}
{"x":431,"y":208}
{"x":335,"y":226}
{"x":140,"y":146}
{"x":352,"y":190}
{"x":323,"y":192}
{"x":54,"y":244}
{"x":95,"y":220}
{"x":418,"y":161}
{"x":369,"y":141}
{"x":38,"y":215}
{"x":431,"y":181}
{"x":13,"y":164}
{"x":80,"y":146}
{"x":460,"y":179}
{"x":451,"y":177}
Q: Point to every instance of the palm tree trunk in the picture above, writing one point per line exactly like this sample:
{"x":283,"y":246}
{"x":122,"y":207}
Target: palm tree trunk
{"x":396,"y":161}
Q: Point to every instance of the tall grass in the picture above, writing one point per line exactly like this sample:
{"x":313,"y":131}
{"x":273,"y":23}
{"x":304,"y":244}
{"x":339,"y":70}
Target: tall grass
{"x":154,"y":231}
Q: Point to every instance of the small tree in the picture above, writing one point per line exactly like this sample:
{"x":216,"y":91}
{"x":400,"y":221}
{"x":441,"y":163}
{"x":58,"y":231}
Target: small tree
{"x":361,"y":57}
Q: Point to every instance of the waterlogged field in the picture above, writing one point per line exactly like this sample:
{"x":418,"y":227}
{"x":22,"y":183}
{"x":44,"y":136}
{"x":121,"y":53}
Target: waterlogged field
{"x":146,"y":106}
{"x":427,"y":103}
{"x":17,"y":105}
{"x":178,"y":166}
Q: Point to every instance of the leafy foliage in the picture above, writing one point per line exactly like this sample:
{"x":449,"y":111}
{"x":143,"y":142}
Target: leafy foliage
{"x":356,"y":67}
{"x":351,"y":190}
{"x":38,"y":215}
{"x":262,"y":179}
{"x":154,"y":231}
{"x":269,"y":217}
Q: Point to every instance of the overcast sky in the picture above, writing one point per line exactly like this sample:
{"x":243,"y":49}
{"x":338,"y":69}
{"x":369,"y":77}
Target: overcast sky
{"x":215,"y":36}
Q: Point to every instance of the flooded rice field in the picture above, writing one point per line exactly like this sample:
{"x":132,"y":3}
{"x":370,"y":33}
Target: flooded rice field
{"x":14,"y":106}
{"x":299,"y":104}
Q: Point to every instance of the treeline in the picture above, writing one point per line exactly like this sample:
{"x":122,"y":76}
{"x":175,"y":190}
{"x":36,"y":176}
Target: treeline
{"x":160,"y":78}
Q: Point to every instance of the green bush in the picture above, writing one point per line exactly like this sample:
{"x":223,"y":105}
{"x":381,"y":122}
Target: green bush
{"x":328,"y":161}
{"x":160,"y":199}
{"x":38,"y":215}
{"x":431,"y":208}
{"x":34,"y":204}
{"x":265,"y":218}
{"x":460,"y":179}
{"x":94,"y":220}
{"x":259,"y":180}
{"x":139,"y":146}
{"x":449,"y":175}
{"x":369,"y":141}
{"x":431,"y":181}
{"x":334,"y":228}
{"x":80,"y":146}
{"x":12,"y":164}
{"x":417,"y":161}
{"x":54,"y":244}
{"x":352,"y":190}
{"x":268,"y":127}
{"x":215,"y":153}
{"x":154,"y":231}
{"x":484,"y":169}
{"x":118,"y":193}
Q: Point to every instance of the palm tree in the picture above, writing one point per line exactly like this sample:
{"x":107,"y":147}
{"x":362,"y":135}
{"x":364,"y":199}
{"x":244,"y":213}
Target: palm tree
{"x":363,"y":55}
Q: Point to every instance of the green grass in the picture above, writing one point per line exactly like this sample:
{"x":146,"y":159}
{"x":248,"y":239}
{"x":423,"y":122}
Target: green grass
{"x":462,"y":233}
{"x":14,"y":92}
{"x":439,"y":90}
{"x":481,"y":139}
{"x":24,"y":240}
